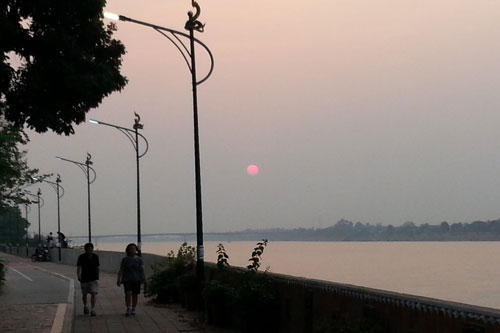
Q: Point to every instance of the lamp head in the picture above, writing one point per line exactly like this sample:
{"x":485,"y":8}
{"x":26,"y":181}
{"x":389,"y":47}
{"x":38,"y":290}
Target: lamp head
{"x":112,"y":16}
{"x":93,"y":121}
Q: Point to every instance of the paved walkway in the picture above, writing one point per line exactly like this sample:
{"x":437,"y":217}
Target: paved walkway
{"x":110,"y":309}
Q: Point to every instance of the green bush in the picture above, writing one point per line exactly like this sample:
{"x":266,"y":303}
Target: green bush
{"x":220,"y":299}
{"x":190,"y":289}
{"x":164,"y":285}
{"x":246,"y":301}
{"x":235,"y":299}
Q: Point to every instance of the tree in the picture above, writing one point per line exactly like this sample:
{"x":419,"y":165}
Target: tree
{"x":14,"y":171}
{"x":12,"y":225}
{"x":15,"y":175}
{"x":58,"y":61}
{"x":444,"y":227}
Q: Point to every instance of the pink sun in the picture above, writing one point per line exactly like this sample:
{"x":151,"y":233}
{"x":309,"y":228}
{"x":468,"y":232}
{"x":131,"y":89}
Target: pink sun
{"x":252,"y":169}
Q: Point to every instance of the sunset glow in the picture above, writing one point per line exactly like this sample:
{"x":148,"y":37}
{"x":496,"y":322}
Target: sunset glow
{"x":252,"y":170}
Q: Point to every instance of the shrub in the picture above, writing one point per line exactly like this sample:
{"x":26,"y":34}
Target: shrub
{"x":244,"y":300}
{"x":256,"y":304}
{"x":190,"y":288}
{"x":220,"y":298}
{"x":163,"y":286}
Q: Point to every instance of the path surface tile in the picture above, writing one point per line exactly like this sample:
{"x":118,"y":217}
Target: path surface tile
{"x":110,"y":310}
{"x":27,"y":317}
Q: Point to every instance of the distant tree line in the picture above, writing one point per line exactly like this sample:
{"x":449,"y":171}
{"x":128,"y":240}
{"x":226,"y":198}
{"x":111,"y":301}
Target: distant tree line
{"x":345,"y":230}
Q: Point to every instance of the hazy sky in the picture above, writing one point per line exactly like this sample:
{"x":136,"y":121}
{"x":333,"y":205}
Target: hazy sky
{"x":373,"y":111}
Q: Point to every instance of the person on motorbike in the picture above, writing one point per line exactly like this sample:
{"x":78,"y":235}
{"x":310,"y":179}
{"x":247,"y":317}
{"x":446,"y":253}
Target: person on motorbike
{"x":41,"y":254}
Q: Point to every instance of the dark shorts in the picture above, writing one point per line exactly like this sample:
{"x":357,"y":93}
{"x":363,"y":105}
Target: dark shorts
{"x":134,"y":287}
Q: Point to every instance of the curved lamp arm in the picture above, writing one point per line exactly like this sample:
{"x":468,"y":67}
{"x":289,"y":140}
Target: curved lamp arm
{"x":42,"y":202}
{"x":176,"y":34}
{"x":83,"y":167}
{"x":128,"y":132}
{"x":54,"y":185}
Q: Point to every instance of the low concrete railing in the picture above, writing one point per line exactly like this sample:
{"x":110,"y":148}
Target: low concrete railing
{"x":17,"y":250}
{"x":308,"y":305}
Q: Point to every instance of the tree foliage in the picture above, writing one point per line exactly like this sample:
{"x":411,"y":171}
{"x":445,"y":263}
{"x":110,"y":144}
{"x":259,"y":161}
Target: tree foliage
{"x":58,"y":61}
{"x":12,"y":226}
{"x":14,"y":171}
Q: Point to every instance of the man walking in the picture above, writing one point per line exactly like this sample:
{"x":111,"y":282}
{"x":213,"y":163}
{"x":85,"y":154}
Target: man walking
{"x":88,"y":275}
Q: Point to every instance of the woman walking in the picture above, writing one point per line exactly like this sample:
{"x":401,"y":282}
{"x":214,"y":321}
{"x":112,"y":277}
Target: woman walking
{"x":131,"y":274}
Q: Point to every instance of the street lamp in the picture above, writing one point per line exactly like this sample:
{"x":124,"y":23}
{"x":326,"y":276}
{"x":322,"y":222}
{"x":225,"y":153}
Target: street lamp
{"x":38,"y":194}
{"x":39,"y":202}
{"x":133,"y":135}
{"x":86,"y":168}
{"x":192,"y":24}
{"x":60,"y":192}
{"x":26,"y":210}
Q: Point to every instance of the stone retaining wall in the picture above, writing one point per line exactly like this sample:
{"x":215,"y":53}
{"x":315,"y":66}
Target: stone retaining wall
{"x":308,"y":305}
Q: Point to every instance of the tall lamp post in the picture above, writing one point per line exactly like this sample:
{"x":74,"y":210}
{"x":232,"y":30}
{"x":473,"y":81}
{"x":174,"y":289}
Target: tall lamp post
{"x":18,"y":237}
{"x":86,"y":168}
{"x":175,"y":36}
{"x":39,"y":202}
{"x":133,"y":135}
{"x":60,"y":192}
{"x":38,"y":194}
{"x":26,"y":211}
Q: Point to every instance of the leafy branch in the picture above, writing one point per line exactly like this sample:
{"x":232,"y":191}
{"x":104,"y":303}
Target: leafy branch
{"x":256,"y":259}
{"x":222,"y":257}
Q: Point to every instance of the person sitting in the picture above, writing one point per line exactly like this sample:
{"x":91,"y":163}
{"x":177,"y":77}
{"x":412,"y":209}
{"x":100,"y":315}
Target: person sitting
{"x":62,"y":240}
{"x":50,"y":240}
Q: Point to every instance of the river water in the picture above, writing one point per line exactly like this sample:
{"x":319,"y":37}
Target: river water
{"x":465,"y":272}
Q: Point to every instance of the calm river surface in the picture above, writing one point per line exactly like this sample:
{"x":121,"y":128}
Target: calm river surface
{"x":466,"y":272}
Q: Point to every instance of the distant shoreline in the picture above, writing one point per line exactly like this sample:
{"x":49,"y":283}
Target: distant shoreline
{"x":345,"y":231}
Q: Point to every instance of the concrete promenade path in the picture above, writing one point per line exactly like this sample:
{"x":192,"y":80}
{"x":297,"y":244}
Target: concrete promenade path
{"x":62,"y":311}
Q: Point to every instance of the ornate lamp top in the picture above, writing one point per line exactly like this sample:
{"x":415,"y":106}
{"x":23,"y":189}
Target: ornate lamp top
{"x":137,"y":124}
{"x":193,"y":23}
{"x":88,"y":161}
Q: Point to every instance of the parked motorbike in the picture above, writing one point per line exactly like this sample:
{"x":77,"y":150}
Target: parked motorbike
{"x":41,"y":254}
